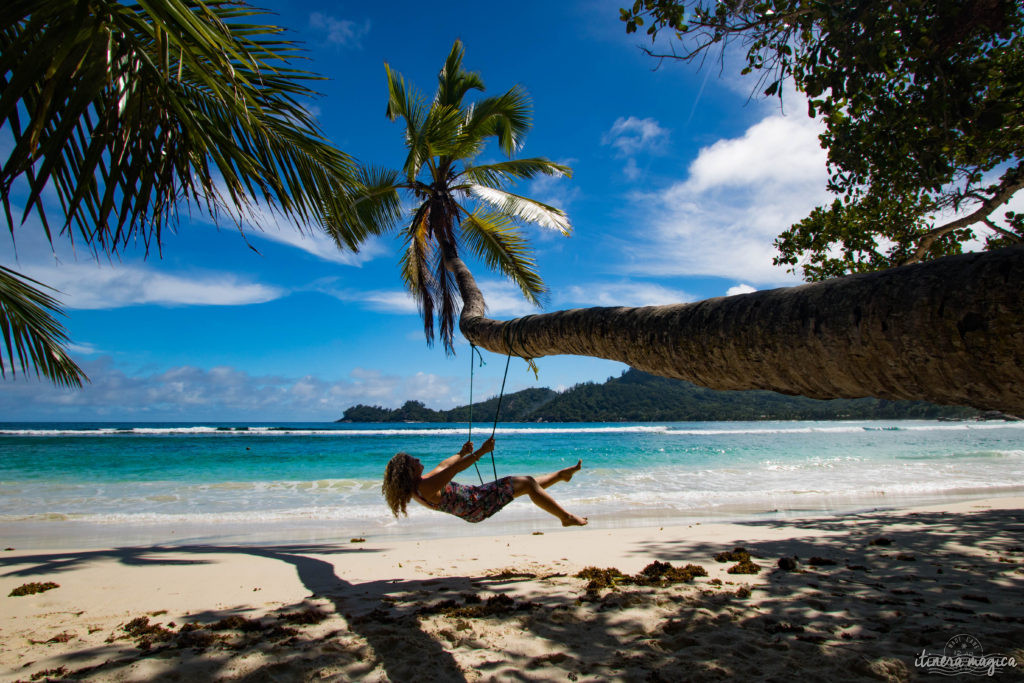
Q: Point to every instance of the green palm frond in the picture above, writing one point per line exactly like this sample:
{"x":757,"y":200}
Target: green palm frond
{"x":415,"y":268}
{"x":500,"y":174}
{"x":125,"y":110}
{"x":446,"y":293}
{"x":371,"y":207}
{"x":440,"y":129}
{"x":507,"y":117}
{"x":405,"y":103}
{"x":523,"y":208}
{"x":33,"y":337}
{"x":453,"y":81}
{"x":495,"y":240}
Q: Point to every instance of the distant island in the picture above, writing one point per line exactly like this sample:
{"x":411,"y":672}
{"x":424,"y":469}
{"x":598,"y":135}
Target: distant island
{"x":637,"y":396}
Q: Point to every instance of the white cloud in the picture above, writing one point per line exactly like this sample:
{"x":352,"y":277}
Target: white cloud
{"x":630,"y":136}
{"x":623,"y":294}
{"x":740,"y":289}
{"x":396,"y":301}
{"x":389,"y":301}
{"x":739,"y":195}
{"x":558,"y":191}
{"x":219,"y":394}
{"x":504,"y":299}
{"x":83,"y":348}
{"x":94,"y":286}
{"x":776,"y":151}
{"x":342,"y":32}
{"x":261,"y":222}
{"x":320,"y":245}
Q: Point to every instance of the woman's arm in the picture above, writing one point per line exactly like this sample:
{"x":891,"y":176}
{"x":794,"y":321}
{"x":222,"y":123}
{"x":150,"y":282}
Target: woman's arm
{"x":438,"y":478}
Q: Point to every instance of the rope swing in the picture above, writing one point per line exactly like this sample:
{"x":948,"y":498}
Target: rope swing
{"x":497,"y":412}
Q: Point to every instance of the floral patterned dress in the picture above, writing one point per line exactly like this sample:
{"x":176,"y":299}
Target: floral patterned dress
{"x":476,"y":503}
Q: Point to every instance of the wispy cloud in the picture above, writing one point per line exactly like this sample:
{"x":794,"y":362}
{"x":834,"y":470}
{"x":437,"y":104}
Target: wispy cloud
{"x":261,"y":222}
{"x":94,"y":286}
{"x":738,"y":196}
{"x":219,"y":393}
{"x":625,"y":293}
{"x":396,"y":301}
{"x":83,"y":348}
{"x":341,"y":32}
{"x":558,"y":191}
{"x":503,"y":298}
{"x":631,"y":137}
{"x":318,"y":244}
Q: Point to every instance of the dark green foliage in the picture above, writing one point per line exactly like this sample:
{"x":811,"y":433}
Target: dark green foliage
{"x":923,"y":107}
{"x":640,"y":397}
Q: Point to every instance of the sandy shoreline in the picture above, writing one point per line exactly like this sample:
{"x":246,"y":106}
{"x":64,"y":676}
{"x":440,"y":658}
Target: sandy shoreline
{"x":392,"y":609}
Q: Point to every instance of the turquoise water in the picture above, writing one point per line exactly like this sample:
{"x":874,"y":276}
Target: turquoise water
{"x":130,"y":475}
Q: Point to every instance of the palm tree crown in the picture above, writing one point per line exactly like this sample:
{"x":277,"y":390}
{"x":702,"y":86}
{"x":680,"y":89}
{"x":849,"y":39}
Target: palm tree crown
{"x":126,"y":111}
{"x":457,"y":203}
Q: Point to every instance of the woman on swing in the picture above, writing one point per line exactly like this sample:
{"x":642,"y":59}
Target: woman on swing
{"x":404,"y":480}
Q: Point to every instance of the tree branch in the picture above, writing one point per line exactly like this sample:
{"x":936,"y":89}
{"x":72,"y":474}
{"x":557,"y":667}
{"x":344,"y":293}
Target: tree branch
{"x":1011,"y":184}
{"x":1006,"y":233}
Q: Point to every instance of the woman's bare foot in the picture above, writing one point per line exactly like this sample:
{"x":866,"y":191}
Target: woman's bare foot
{"x":573,"y":520}
{"x":566,"y":474}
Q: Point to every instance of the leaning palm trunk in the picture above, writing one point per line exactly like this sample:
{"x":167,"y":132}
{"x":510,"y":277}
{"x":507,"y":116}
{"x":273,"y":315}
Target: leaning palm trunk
{"x":948,"y":331}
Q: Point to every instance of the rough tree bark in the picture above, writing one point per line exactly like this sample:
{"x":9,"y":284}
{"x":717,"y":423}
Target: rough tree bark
{"x":949,"y":331}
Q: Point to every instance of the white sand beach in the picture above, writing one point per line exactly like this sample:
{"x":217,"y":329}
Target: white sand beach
{"x":869,"y":593}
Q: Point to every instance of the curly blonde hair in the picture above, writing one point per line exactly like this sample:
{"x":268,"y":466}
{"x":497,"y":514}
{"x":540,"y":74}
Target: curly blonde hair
{"x":400,"y":477}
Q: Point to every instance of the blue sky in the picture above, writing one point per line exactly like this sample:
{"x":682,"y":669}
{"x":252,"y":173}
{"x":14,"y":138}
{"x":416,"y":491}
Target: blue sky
{"x":680,"y":183}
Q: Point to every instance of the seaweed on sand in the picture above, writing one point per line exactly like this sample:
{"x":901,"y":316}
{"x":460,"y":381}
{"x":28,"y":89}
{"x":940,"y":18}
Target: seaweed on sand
{"x":32,"y":588}
{"x":145,"y":633}
{"x":741,"y":556}
{"x":496,"y":604}
{"x":237,"y":623}
{"x":663,"y":573}
{"x":306,"y":616}
{"x":658,"y":574}
{"x":744,"y":567}
{"x":738,"y":554}
{"x":49,"y":674}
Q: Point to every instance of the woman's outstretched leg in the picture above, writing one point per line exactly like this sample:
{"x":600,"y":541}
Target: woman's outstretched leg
{"x":544,"y":501}
{"x":546,"y":480}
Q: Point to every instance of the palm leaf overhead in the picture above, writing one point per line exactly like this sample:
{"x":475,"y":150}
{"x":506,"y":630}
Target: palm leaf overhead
{"x":32,"y":337}
{"x":125,"y":111}
{"x":458,"y":203}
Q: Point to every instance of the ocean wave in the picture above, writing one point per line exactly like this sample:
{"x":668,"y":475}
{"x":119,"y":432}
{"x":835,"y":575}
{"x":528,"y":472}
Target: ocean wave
{"x":302,"y":514}
{"x":408,"y":430}
{"x":963,"y":455}
{"x":341,"y":432}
